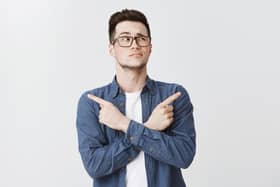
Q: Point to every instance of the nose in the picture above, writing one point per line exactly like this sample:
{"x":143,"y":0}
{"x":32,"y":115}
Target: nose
{"x":134,"y":44}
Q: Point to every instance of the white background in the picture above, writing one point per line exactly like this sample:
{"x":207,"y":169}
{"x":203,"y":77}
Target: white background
{"x":225,"y":53}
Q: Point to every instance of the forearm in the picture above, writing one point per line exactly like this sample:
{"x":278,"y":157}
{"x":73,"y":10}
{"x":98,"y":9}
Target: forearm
{"x":177,"y":150}
{"x":103,"y":160}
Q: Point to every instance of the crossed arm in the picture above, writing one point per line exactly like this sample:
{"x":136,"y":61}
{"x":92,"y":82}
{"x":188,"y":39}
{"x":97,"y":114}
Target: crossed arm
{"x":175,"y":147}
{"x":160,"y":119}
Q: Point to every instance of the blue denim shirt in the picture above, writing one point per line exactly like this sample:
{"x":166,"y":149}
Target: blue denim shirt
{"x":106,"y":152}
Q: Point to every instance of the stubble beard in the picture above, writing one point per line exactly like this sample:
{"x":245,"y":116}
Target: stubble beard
{"x":132,"y":67}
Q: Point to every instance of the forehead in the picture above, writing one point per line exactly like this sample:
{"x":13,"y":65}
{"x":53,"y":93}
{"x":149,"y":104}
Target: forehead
{"x":131,"y":27}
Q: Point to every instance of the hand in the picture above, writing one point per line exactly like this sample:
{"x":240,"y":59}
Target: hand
{"x":162,"y":115}
{"x":110,"y":115}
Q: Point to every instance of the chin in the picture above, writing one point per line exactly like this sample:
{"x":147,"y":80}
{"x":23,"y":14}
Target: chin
{"x":133,"y":65}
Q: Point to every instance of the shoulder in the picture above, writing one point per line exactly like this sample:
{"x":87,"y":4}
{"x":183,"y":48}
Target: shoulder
{"x":102,"y":92}
{"x":168,"y":88}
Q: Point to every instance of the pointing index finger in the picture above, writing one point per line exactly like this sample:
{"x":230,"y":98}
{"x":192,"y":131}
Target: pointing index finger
{"x":97,"y":99}
{"x":171,"y":98}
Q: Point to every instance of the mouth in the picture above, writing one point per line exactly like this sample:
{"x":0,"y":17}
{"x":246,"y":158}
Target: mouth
{"x":136,"y":55}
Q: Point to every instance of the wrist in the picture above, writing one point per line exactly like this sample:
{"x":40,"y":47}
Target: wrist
{"x":124,"y":124}
{"x":147,"y":124}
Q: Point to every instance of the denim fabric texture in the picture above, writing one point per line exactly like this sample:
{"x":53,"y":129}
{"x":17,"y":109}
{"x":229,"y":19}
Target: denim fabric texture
{"x":105,"y":152}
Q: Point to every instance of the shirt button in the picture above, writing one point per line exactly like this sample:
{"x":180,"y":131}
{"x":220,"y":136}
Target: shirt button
{"x":131,"y":138}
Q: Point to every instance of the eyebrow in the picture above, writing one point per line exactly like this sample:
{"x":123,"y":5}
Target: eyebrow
{"x":128,"y":33}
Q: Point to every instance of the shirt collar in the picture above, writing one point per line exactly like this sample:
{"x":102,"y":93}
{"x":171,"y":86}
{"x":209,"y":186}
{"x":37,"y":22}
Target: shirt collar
{"x":115,"y":89}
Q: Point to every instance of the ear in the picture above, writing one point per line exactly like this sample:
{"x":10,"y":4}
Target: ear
{"x":111,"y":49}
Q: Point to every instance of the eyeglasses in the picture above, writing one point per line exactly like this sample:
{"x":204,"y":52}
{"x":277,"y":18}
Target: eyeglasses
{"x":126,"y":41}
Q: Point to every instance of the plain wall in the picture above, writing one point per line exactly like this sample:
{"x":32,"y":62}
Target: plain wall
{"x":225,"y":53}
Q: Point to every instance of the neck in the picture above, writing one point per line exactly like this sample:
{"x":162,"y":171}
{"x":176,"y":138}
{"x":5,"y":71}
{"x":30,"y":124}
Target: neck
{"x":131,"y":80}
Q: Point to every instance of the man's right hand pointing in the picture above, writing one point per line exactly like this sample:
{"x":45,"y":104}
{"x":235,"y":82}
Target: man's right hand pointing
{"x":162,"y":115}
{"x":110,"y":114}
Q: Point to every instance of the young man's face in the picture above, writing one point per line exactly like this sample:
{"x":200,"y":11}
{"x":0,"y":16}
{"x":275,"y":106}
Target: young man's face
{"x":135,"y":56}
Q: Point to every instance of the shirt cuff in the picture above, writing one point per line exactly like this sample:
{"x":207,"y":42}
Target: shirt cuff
{"x":134,"y":132}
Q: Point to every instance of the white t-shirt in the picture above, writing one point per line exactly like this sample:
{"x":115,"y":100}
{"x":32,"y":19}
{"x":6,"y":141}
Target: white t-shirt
{"x":135,"y":170}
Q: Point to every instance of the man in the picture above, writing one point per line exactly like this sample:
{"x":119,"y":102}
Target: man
{"x":135,"y":131}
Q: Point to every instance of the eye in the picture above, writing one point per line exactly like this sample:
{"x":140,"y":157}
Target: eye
{"x":143,"y":38}
{"x":125,"y":38}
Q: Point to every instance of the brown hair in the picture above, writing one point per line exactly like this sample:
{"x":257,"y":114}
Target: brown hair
{"x":126,"y":15}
